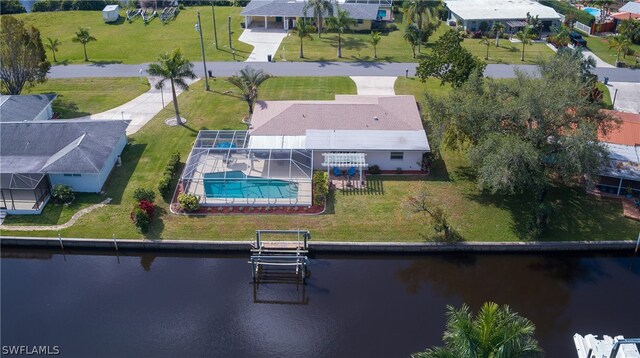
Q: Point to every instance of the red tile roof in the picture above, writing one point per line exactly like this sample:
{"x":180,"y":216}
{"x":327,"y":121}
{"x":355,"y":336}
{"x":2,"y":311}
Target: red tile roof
{"x":629,"y":131}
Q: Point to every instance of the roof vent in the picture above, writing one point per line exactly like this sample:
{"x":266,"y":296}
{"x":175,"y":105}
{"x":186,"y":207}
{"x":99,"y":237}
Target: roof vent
{"x":375,"y":118}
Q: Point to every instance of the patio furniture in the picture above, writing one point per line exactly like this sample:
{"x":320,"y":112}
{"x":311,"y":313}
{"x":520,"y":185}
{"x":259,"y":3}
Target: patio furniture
{"x":351,"y":172}
{"x":337,"y":172}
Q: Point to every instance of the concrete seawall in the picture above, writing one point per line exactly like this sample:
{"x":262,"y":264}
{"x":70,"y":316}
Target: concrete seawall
{"x":320,"y":247}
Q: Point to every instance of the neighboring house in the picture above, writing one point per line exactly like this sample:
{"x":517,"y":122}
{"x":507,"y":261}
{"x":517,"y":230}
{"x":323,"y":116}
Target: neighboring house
{"x":21,"y":108}
{"x":623,"y":168}
{"x":37,"y":155}
{"x":282,"y":14}
{"x":631,"y":7}
{"x":474,"y":15}
{"x":273,"y":162}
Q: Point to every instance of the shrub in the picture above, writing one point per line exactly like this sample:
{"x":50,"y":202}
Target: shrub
{"x":140,"y":219}
{"x":189,"y":202}
{"x":569,"y":11}
{"x":148,"y":208}
{"x":374,"y":169}
{"x":320,"y":187}
{"x":144,"y":194}
{"x":484,"y":26}
{"x":62,"y":194}
{"x":391,"y":27}
{"x":164,"y":186}
{"x":540,"y":219}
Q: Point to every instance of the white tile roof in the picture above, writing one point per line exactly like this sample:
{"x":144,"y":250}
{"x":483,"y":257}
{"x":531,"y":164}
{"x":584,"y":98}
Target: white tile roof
{"x":500,"y":9}
{"x":367,"y":140}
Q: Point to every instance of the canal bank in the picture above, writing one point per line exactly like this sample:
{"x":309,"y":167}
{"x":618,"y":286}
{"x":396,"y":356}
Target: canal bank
{"x":323,"y":246}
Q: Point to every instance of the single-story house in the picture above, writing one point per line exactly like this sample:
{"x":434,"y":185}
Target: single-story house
{"x":36,"y":155}
{"x":475,"y":15}
{"x":622,"y":170}
{"x":21,"y":108}
{"x":284,"y":13}
{"x":272,"y":163}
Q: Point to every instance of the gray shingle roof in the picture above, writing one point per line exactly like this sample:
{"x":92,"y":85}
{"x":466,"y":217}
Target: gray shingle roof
{"x":58,"y":146}
{"x":633,"y":7}
{"x":290,"y":8}
{"x":24,"y":107}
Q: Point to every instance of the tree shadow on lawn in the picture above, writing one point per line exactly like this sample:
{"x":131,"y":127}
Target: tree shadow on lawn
{"x":518,"y":205}
{"x":365,"y":60}
{"x":120,"y":176}
{"x":154,"y":232}
{"x":120,"y":21}
{"x":66,"y":109}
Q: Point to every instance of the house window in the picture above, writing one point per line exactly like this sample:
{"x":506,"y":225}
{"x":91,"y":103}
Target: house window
{"x":397,"y":155}
{"x":77,"y":175}
{"x":68,"y":175}
{"x":360,"y":21}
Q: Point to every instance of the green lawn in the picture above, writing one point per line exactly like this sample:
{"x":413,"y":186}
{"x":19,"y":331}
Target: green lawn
{"x":606,"y":95}
{"x":376,"y":215}
{"x":392,"y":48}
{"x":417,"y":88}
{"x":136,"y":43}
{"x":600,"y":47}
{"x":79,"y":97}
{"x":55,"y":214}
{"x":322,"y":88}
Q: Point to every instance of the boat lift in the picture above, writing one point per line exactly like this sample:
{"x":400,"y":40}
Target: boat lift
{"x":271,"y":260}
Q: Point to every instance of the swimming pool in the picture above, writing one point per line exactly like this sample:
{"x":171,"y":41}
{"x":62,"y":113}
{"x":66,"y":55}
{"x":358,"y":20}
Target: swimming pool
{"x":238,"y":185}
{"x":593,"y":11}
{"x":382,"y":14}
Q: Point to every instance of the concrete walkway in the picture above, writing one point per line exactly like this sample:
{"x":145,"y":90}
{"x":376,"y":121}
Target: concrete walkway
{"x":71,"y":221}
{"x":264,"y":42}
{"x":141,"y":109}
{"x":370,"y":85}
{"x":628,"y":97}
{"x":599,"y":62}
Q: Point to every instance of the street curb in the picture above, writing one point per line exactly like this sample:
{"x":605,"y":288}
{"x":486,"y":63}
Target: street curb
{"x":322,"y":246}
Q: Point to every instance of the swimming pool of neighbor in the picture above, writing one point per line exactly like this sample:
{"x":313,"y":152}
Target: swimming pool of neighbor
{"x":236,"y":184}
{"x":593,"y":11}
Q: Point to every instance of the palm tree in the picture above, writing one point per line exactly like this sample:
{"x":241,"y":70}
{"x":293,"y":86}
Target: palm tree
{"x":494,"y":332}
{"x":411,"y":35}
{"x":83,"y":36}
{"x":319,"y":7}
{"x":498,"y":27}
{"x":53,"y":45}
{"x":248,"y":81}
{"x":525,"y":35}
{"x":175,"y":68}
{"x":374,"y":39}
{"x":630,"y":28}
{"x":486,"y":40}
{"x":302,"y":31}
{"x":340,"y":23}
{"x":619,"y":43}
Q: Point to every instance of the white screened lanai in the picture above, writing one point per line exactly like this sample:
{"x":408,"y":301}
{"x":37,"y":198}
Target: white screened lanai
{"x":223,"y":170}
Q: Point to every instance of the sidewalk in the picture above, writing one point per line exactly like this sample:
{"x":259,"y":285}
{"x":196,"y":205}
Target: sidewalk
{"x":627,"y":98}
{"x":141,"y":109}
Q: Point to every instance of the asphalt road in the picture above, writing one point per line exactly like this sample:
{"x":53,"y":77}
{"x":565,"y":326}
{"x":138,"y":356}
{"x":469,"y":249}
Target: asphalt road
{"x":224,"y":69}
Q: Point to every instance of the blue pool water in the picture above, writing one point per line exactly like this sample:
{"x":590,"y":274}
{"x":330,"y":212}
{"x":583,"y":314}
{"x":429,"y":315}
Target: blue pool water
{"x":382,"y":14}
{"x":593,"y":11}
{"x":238,"y":185}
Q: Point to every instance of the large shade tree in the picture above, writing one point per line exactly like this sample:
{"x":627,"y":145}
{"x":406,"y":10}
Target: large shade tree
{"x":340,"y":23}
{"x":23,"y":61}
{"x":248,"y":80}
{"x":84,"y":36}
{"x":494,"y":332}
{"x":525,"y":135}
{"x":172,"y":67}
{"x":319,"y":8}
{"x":449,"y":61}
{"x":302,"y":31}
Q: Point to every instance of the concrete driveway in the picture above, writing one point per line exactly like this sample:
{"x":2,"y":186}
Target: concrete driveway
{"x":627,"y":98}
{"x":264,"y":42}
{"x":374,"y":85}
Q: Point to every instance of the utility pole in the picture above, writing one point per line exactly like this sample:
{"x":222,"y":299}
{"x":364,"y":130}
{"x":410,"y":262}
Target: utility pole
{"x":229,"y":27}
{"x":204,"y":61}
{"x":215,"y":31}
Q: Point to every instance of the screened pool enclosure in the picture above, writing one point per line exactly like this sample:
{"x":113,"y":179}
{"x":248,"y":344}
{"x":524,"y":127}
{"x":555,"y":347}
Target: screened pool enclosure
{"x":223,"y":169}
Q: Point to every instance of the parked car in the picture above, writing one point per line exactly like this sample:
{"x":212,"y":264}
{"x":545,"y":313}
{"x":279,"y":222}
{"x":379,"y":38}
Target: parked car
{"x":577,"y":40}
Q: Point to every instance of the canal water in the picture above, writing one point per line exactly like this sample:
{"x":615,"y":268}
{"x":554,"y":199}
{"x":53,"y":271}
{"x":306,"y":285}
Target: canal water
{"x":177,"y":305}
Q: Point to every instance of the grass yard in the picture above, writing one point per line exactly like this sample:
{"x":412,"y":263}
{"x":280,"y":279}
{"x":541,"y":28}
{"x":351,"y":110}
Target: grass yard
{"x":600,"y":47}
{"x":417,"y":88}
{"x":606,"y":95}
{"x":79,"y":97}
{"x":375,"y":215}
{"x":508,"y":52}
{"x":54,"y":214}
{"x":136,"y":43}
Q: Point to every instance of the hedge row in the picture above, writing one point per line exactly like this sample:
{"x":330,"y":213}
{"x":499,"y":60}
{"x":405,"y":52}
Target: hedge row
{"x":566,"y":9}
{"x":67,"y":5}
{"x":164,"y":187}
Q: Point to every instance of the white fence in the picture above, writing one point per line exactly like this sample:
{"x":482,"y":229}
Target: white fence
{"x":582,"y":27}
